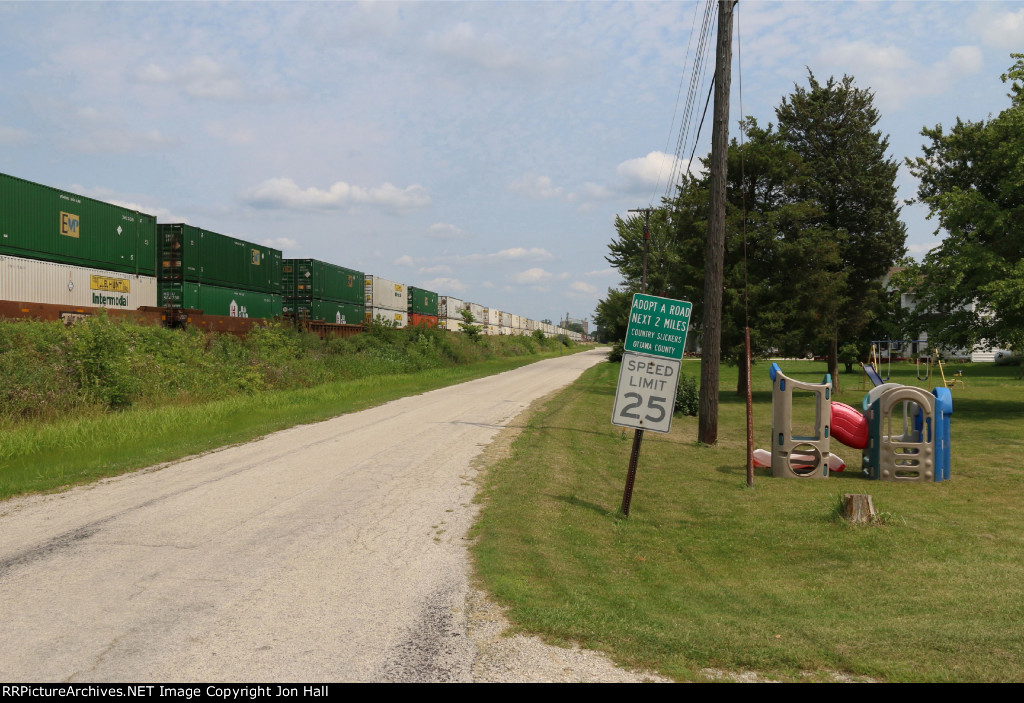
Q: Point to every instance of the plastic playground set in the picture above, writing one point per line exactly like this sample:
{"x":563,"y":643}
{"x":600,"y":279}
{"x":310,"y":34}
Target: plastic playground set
{"x":902,"y":431}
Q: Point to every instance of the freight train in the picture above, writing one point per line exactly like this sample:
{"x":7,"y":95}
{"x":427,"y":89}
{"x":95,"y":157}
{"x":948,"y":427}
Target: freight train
{"x":64,"y":256}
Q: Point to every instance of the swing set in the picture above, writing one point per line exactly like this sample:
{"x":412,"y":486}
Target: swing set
{"x":924,"y":363}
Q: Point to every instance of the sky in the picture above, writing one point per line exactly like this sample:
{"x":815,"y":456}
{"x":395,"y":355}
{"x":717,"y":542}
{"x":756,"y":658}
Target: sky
{"x":478,"y":149}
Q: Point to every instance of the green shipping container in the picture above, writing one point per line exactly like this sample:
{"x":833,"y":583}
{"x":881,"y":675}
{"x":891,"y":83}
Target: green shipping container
{"x":40,"y":222}
{"x":192,"y":255}
{"x":422,"y":302}
{"x":309,"y":278}
{"x":217,"y":300}
{"x":325,"y":310}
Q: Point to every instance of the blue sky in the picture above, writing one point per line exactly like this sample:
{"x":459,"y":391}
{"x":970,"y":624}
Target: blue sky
{"x":481,"y":150}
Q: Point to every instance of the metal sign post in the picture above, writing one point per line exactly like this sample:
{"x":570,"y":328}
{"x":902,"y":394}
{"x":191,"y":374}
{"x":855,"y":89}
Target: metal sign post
{"x":649,"y":377}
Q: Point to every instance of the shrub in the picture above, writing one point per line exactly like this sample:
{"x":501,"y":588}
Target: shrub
{"x":688,"y":395}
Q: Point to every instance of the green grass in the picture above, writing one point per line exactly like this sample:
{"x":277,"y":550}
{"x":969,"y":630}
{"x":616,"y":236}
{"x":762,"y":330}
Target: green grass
{"x":43,"y":456}
{"x":707,"y":573}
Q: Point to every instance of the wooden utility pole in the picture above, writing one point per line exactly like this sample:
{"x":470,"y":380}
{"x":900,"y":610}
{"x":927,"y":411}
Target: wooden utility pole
{"x":714,"y":253}
{"x":638,"y":435}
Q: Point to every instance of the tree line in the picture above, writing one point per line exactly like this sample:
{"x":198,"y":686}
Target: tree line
{"x":813,"y":232}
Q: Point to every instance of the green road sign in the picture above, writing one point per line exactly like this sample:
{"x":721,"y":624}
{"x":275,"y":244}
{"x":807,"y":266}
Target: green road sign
{"x":657,"y":326}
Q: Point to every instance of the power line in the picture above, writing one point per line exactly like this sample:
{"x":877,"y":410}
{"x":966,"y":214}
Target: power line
{"x":697,"y":77}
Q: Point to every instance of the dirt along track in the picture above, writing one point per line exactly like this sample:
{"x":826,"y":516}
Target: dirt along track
{"x":327,"y":552}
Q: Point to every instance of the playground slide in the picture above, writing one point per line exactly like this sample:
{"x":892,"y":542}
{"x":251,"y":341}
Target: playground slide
{"x":763,"y":460}
{"x":849,"y":425}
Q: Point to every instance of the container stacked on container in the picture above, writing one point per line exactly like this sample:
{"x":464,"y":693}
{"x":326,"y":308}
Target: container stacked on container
{"x":220,"y":275}
{"x":67,"y":250}
{"x":492,"y":321}
{"x":422,"y":307}
{"x":386,"y":300}
{"x":450,"y":313}
{"x":318,"y":291}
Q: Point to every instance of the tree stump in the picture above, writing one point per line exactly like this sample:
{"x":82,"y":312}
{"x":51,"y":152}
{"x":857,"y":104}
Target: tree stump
{"x":858,"y":508}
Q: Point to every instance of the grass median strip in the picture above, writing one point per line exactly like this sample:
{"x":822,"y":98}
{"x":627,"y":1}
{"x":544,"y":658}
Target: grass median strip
{"x":706,"y":574}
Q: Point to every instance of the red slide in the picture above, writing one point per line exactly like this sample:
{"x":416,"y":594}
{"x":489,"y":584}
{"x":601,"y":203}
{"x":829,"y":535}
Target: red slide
{"x":849,"y":426}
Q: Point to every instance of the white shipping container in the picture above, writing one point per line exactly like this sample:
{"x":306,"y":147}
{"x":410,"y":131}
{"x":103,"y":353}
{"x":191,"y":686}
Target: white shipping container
{"x":452,"y":324}
{"x":517,"y":322}
{"x":505,"y":319}
{"x":31,"y":281}
{"x":450,"y":306}
{"x":492,"y":316}
{"x":478,"y":312}
{"x":382,"y":293}
{"x":531,"y":325}
{"x":400,"y":318}
{"x":506,"y":330}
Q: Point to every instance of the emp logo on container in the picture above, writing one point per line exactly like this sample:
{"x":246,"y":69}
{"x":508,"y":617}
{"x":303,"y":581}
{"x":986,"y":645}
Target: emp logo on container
{"x":255,"y":257}
{"x":69,"y":225}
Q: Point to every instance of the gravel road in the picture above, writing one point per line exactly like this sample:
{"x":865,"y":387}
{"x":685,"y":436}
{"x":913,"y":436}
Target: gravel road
{"x":327,"y":552}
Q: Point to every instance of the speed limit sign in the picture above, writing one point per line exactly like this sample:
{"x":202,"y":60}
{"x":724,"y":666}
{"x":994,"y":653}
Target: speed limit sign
{"x":646,"y":395}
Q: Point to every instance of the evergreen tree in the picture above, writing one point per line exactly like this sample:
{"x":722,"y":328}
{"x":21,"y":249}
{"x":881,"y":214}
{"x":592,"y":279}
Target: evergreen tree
{"x":831,"y":126}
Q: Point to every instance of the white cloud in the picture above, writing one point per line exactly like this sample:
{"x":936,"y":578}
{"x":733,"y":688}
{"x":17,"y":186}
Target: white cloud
{"x":202,"y":77}
{"x":513,"y":254}
{"x":602,"y":272}
{"x":536,"y":187}
{"x":962,"y":61}
{"x":893,"y":74}
{"x":651,"y":170}
{"x":284,"y":193}
{"x":445,"y":285}
{"x":1005,"y":30}
{"x":534,"y":275}
{"x":282,"y":243}
{"x":12,"y":135}
{"x":582,"y":288}
{"x":444,"y":231}
{"x":405,"y":260}
{"x":440,"y":268}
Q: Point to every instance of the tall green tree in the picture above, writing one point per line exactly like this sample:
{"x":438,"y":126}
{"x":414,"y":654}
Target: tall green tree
{"x":970,"y":288}
{"x":848,"y":175}
{"x":612,"y":316}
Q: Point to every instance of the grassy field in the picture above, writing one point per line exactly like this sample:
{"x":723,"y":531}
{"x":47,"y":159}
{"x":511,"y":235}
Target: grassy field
{"x":707,"y":574}
{"x":179,"y":394}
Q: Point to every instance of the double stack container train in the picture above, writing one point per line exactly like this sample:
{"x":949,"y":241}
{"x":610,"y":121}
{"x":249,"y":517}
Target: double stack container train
{"x":318,"y":291}
{"x":64,"y":255}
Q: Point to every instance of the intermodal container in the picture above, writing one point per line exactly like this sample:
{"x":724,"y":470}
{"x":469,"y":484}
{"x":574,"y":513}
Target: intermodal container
{"x":452,"y":324}
{"x":418,"y":320}
{"x":492,"y":316}
{"x":310,"y":278}
{"x":339,"y":313}
{"x":40,"y":222}
{"x":219,"y":300}
{"x":396,"y":318}
{"x":422,"y":302}
{"x":35,"y":281}
{"x":193,"y":255}
{"x":382,"y":293}
{"x":450,"y":307}
{"x":477,"y":311}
